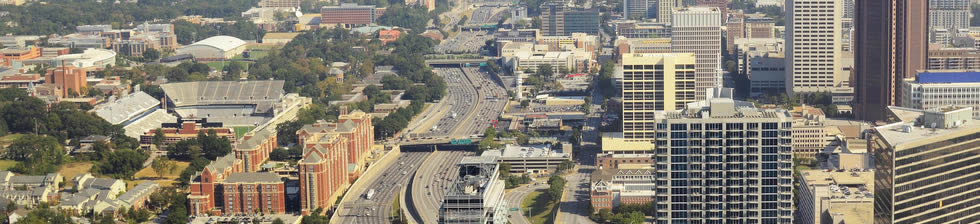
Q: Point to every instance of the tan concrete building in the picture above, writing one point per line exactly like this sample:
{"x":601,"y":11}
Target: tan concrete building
{"x":953,"y":58}
{"x":654,"y":82}
{"x":834,"y":197}
{"x":809,"y":135}
{"x":698,"y":30}
{"x":813,"y":40}
{"x":925,"y":166}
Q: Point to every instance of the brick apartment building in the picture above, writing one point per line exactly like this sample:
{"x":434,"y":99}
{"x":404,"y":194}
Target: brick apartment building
{"x":250,"y":193}
{"x":333,"y":154}
{"x":349,"y":14}
{"x":254,"y":149}
{"x":206,"y":185}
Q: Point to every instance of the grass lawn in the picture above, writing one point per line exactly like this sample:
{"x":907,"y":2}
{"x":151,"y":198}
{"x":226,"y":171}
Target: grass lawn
{"x":7,"y":164}
{"x":241,"y":130}
{"x":541,"y":207}
{"x":9,"y":139}
{"x":168,"y":178}
{"x":71,"y":170}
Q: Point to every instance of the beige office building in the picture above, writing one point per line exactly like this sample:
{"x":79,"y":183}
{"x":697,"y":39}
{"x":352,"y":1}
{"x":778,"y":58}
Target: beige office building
{"x":654,"y":82}
{"x":664,"y":9}
{"x":813,"y":37}
{"x":926,"y":167}
{"x":834,"y":197}
{"x":698,"y":30}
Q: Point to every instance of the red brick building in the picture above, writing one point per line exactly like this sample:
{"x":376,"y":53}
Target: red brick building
{"x":254,"y":149}
{"x":187,"y":130}
{"x":621,"y":161}
{"x":254,"y":193}
{"x":206,"y":185}
{"x":348,"y":14}
{"x":322,"y":171}
{"x":333,"y":154}
{"x":68,"y":79}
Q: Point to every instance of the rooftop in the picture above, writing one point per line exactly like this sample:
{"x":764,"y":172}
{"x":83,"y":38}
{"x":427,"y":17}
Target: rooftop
{"x":263,"y":177}
{"x":912,"y":125}
{"x":126,"y":107}
{"x":949,"y":77}
{"x":533,"y":151}
{"x":224,"y":43}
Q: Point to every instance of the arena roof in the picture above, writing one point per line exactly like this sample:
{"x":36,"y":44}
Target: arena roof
{"x":262,"y":93}
{"x":126,"y":107}
{"x":224,"y":43}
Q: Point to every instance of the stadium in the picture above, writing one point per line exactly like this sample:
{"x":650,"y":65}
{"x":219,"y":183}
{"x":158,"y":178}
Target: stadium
{"x":233,"y":103}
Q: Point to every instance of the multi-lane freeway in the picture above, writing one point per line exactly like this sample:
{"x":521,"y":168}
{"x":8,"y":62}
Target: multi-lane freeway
{"x":474,"y":100}
{"x":431,"y":181}
{"x":387,"y":186}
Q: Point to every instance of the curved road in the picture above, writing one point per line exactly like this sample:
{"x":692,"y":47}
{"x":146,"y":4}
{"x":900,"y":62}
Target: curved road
{"x":514,"y":197}
{"x":431,"y":182}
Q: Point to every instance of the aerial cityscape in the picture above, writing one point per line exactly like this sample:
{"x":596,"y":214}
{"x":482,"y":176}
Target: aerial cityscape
{"x":490,"y":111}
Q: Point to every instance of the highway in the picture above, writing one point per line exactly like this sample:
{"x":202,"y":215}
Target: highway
{"x":490,"y":101}
{"x":387,"y":186}
{"x":471,"y":104}
{"x":431,"y":182}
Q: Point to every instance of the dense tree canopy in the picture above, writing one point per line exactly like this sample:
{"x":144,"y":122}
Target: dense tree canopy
{"x":38,"y":155}
{"x":62,"y":16}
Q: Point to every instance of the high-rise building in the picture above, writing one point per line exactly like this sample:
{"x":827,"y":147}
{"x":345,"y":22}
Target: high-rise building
{"x":558,"y":19}
{"x":636,"y":9}
{"x":722,"y":6}
{"x":949,"y":14}
{"x":814,"y":46}
{"x":925,"y":166}
{"x":664,"y":10}
{"x":698,"y":30}
{"x":333,"y":154}
{"x":348,"y":15}
{"x":553,"y":18}
{"x":581,"y":21}
{"x":279,"y":3}
{"x":724,"y":161}
{"x":932,"y":90}
{"x":891,"y":44}
{"x":654,"y":82}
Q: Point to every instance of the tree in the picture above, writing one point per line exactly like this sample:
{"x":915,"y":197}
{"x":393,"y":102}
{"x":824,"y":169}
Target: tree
{"x":38,"y":155}
{"x":233,"y":71}
{"x":278,"y":221}
{"x":123,"y":163}
{"x":151,"y":54}
{"x":525,"y":103}
{"x":545,"y":71}
{"x":163,"y":166}
{"x":504,"y":170}
{"x":280,"y":154}
{"x":158,"y":138}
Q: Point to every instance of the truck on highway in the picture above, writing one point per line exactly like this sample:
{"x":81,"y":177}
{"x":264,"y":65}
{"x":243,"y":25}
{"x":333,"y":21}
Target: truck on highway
{"x":370,"y":194}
